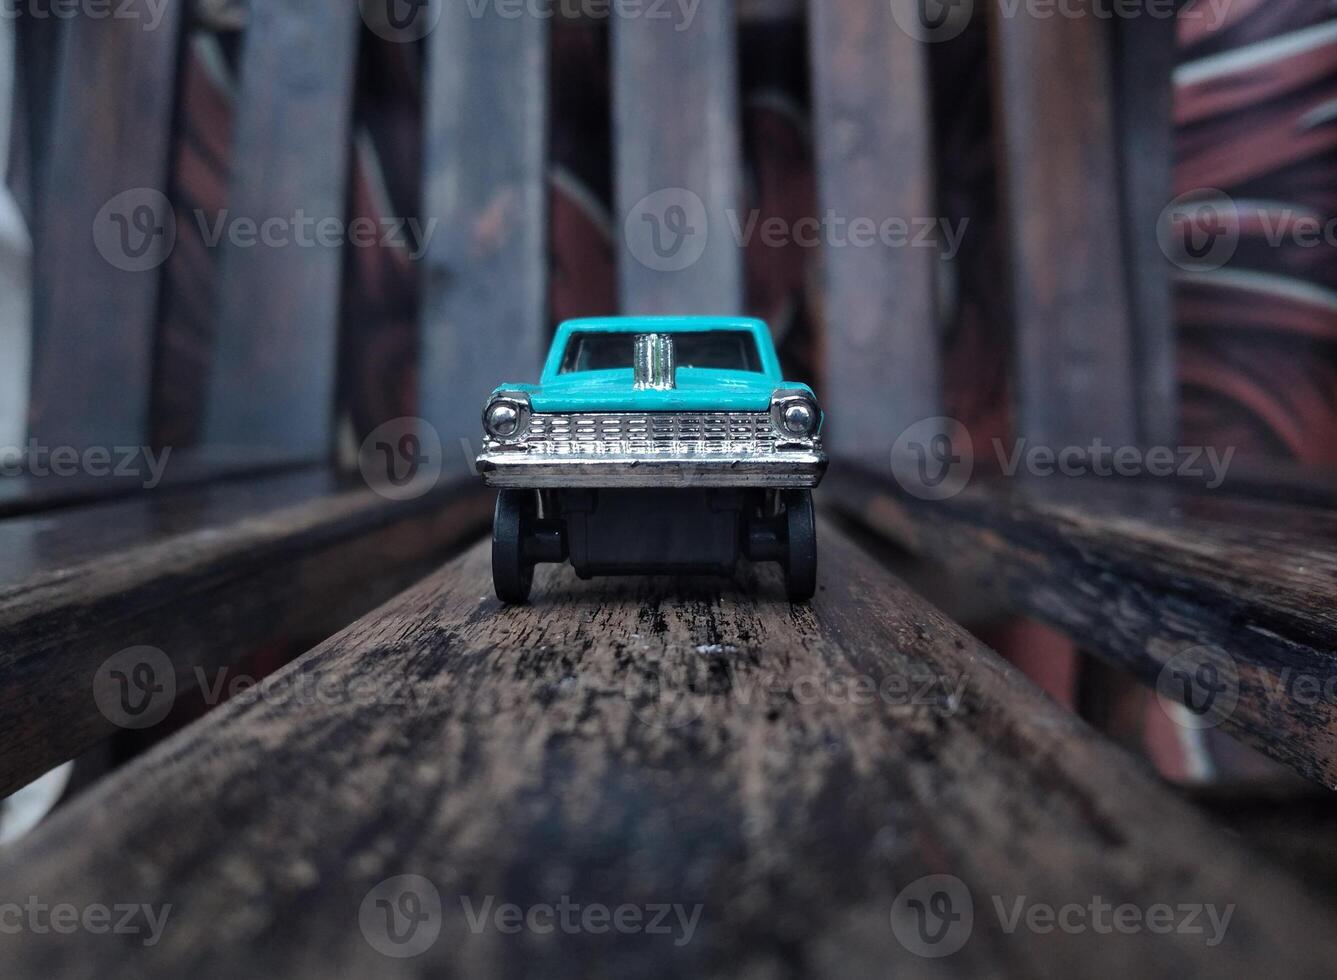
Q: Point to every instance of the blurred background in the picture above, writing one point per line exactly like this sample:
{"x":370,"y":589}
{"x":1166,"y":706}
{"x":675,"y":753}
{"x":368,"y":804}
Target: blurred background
{"x":136,"y":309}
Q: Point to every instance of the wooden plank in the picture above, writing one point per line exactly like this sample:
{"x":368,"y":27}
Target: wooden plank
{"x":1175,"y":584}
{"x":15,"y":264}
{"x":677,"y":152}
{"x":484,"y":310}
{"x":1145,"y":54}
{"x":784,"y":776}
{"x":1074,"y":356}
{"x":272,"y":383}
{"x":104,"y":227}
{"x":870,"y":88}
{"x":122,"y":472}
{"x":204,"y":577}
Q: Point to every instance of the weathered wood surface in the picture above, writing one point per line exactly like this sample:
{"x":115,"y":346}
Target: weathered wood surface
{"x":15,"y":256}
{"x":103,"y":227}
{"x":871,"y":107}
{"x":1074,"y":357}
{"x":125,"y":472}
{"x":778,"y":773}
{"x":1161,"y":580}
{"x":1144,"y":59}
{"x":484,"y":309}
{"x":678,"y":178}
{"x":284,"y":232}
{"x":204,"y":576}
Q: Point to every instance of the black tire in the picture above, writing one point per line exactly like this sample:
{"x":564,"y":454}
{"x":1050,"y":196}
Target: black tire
{"x":512,"y":574}
{"x":801,"y":547}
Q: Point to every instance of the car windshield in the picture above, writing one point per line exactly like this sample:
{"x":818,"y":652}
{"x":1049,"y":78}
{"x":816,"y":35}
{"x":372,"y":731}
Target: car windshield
{"x":730,"y":349}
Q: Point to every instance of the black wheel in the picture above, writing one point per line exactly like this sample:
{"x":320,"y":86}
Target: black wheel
{"x":801,"y":547}
{"x":512,"y":574}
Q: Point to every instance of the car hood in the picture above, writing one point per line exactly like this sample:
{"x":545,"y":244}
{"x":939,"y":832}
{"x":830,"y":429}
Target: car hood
{"x":698,"y":390}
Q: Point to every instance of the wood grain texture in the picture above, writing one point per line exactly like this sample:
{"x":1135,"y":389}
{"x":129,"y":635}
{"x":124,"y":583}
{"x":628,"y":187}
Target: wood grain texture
{"x":271,"y":384}
{"x":127,"y":474}
{"x":647,"y":742}
{"x":677,"y":155}
{"x":871,"y":103}
{"x":1074,"y":356}
{"x":94,"y":316}
{"x":15,"y":261}
{"x":204,"y":576}
{"x":484,"y":306}
{"x":1142,"y":574}
{"x":1144,"y":60}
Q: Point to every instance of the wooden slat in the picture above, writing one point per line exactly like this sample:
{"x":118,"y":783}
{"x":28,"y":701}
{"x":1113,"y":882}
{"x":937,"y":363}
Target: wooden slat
{"x":484,"y":310}
{"x":124,"y":474}
{"x":677,"y":148}
{"x":1074,"y":357}
{"x":782,"y":792}
{"x":272,"y":381}
{"x":871,"y":100}
{"x":15,"y":264}
{"x":107,"y":163}
{"x":1143,"y":574}
{"x":1144,"y":61}
{"x":205,"y":576}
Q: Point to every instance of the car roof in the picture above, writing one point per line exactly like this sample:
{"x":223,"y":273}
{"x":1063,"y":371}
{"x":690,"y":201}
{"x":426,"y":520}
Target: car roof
{"x":666,"y":324}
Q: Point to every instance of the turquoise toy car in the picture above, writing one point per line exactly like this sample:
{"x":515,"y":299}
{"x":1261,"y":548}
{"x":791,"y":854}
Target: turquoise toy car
{"x":654,"y":445}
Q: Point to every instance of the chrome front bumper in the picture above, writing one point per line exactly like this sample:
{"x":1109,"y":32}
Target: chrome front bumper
{"x":784,"y":469}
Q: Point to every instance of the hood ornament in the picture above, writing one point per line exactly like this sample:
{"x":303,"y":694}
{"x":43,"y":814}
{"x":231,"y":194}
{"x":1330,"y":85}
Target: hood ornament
{"x":654,"y":364}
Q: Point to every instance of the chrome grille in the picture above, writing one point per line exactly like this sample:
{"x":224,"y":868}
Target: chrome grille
{"x":630,"y":433}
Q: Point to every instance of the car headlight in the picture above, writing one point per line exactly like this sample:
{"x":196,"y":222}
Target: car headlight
{"x":506,"y":416}
{"x":794,"y":413}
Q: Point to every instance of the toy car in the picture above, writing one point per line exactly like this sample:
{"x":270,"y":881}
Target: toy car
{"x":654,"y":445}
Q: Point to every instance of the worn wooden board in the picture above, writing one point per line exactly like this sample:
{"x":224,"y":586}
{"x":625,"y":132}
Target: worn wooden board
{"x":1145,"y":55}
{"x":779,"y":774}
{"x":677,"y":158}
{"x":271,"y":384}
{"x":124,"y":472}
{"x":1180,"y":585}
{"x":15,"y":262}
{"x":871,"y":106}
{"x":1074,"y":366}
{"x":204,"y":576}
{"x":101,"y":231}
{"x":484,"y":312}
